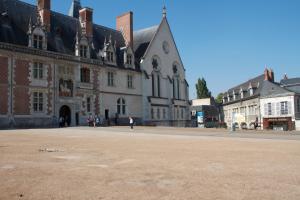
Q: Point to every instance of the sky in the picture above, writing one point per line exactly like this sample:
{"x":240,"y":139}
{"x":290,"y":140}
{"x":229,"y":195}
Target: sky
{"x":225,"y":41}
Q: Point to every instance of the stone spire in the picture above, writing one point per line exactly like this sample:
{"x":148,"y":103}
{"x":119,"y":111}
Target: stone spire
{"x":74,"y":9}
{"x":164,"y":12}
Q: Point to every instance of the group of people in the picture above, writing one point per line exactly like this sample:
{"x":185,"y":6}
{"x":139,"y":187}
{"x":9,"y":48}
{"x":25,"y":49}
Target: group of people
{"x":94,"y":121}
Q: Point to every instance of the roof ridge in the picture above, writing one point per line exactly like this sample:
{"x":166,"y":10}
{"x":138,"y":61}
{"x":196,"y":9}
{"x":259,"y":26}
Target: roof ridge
{"x":145,"y":29}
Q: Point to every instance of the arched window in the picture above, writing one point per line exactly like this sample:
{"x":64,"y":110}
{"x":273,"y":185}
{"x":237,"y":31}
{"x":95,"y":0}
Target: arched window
{"x":156,"y":76}
{"x":121,"y":106}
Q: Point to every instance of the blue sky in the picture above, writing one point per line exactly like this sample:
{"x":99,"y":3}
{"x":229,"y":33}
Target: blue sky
{"x":224,"y":41}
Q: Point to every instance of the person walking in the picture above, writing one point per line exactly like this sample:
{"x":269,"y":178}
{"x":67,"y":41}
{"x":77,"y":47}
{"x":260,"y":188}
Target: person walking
{"x":131,"y":122}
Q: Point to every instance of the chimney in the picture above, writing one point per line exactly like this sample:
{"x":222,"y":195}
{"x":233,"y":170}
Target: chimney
{"x":86,"y":21}
{"x":44,"y":7}
{"x":125,"y":25}
{"x":269,"y":75}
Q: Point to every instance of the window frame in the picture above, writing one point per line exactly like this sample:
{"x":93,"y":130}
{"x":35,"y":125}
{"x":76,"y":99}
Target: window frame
{"x":38,"y":70}
{"x":38,"y":102}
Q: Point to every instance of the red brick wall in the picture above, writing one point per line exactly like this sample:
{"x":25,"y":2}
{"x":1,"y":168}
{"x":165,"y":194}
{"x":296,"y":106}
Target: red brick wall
{"x":21,"y":96}
{"x":4,"y":85}
{"x":125,"y":22}
{"x":49,"y":79}
{"x":95,"y":87}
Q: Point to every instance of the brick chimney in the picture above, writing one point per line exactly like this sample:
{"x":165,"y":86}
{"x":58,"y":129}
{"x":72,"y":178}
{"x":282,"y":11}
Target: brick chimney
{"x":269,"y":75}
{"x":44,"y":7}
{"x":124,"y":23}
{"x":86,"y":21}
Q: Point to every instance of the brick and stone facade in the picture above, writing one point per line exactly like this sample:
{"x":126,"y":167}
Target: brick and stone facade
{"x":54,"y":65}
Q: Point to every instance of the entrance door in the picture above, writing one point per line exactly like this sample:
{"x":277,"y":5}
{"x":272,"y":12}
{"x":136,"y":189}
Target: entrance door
{"x":65,"y":112}
{"x":106,"y":114}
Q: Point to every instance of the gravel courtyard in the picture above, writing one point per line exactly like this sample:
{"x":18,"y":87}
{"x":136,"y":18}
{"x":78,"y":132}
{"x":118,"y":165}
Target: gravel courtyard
{"x":148,"y":163}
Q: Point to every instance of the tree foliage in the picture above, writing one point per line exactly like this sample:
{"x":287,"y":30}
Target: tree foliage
{"x":202,"y":90}
{"x":219,"y":98}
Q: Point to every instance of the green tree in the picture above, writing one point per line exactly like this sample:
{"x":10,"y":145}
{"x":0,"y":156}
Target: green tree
{"x":219,"y":98}
{"x":202,"y":90}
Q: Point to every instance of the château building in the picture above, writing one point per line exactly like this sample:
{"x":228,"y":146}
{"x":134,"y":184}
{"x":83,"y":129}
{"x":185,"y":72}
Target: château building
{"x":55,"y":65}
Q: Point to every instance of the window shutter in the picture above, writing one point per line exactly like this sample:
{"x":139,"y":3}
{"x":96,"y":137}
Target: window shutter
{"x":273,"y":108}
{"x":289,"y":104}
{"x":278,"y":108}
{"x":266,"y":109}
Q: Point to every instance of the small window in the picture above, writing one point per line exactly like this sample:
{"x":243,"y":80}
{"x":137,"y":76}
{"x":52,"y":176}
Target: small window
{"x":110,"y":79}
{"x":88,"y":104}
{"x":130,"y":81}
{"x":38,"y":102}
{"x":38,"y":41}
{"x":83,"y":51}
{"x":38,"y":70}
{"x":84,"y":75}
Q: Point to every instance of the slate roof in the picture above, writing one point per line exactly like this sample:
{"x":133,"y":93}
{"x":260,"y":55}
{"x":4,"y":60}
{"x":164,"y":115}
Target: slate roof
{"x":141,"y":41}
{"x":270,"y":89}
{"x":15,"y":17}
{"x":292,"y":84}
{"x":256,"y":84}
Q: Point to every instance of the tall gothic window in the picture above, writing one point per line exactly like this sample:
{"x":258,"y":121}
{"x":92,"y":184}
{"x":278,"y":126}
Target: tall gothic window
{"x":121,"y":106}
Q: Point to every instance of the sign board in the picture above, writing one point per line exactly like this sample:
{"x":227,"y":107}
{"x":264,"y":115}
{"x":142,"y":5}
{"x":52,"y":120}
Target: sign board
{"x":200,"y":117}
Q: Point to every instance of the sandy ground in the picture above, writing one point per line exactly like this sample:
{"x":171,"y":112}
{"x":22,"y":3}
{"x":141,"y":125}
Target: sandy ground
{"x":148,"y":163}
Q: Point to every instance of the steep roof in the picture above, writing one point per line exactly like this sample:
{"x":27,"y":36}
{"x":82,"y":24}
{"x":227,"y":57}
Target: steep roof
{"x":256,"y":84}
{"x":142,"y":39}
{"x":62,"y":36}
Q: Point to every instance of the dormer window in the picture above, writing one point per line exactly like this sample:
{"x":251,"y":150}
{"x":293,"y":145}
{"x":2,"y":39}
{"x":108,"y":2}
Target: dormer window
{"x":242,"y":93}
{"x":110,"y":56}
{"x":83,"y":51}
{"x":129,"y":59}
{"x":38,"y":41}
{"x":234,"y":96}
{"x":251,"y":91}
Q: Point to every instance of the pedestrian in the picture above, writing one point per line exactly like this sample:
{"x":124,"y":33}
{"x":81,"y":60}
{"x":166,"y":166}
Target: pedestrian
{"x":61,"y":121}
{"x":131,"y":122}
{"x":94,"y":121}
{"x":97,"y":121}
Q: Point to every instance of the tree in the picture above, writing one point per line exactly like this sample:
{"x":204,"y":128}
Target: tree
{"x":202,"y":90}
{"x":219,"y":98}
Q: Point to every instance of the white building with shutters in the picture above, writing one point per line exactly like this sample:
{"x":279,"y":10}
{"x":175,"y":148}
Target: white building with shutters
{"x":278,"y":106}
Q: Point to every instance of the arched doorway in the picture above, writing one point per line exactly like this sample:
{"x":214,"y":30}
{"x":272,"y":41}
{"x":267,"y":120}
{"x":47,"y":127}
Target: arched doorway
{"x":65,"y":112}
